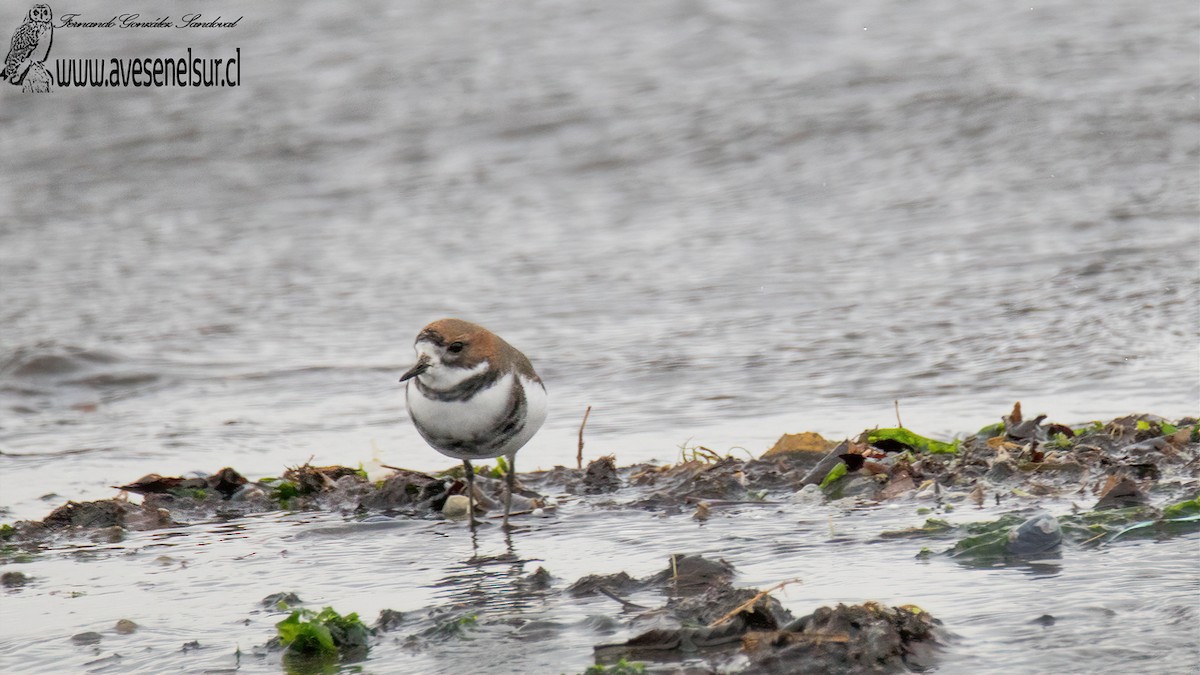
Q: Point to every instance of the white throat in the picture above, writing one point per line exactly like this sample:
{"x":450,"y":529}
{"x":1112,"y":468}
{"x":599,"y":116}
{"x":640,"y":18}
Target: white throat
{"x":441,"y":377}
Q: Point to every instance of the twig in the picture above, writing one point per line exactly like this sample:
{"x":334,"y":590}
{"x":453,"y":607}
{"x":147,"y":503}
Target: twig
{"x":625,"y":604}
{"x":752,"y":601}
{"x":579,"y":455}
{"x":898,"y":422}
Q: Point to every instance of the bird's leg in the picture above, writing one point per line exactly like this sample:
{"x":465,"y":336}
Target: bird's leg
{"x":469,"y":472}
{"x":511,"y":479}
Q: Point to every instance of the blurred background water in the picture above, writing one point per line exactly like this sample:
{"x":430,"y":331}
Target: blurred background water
{"x":709,"y":220}
{"x":715,"y":221}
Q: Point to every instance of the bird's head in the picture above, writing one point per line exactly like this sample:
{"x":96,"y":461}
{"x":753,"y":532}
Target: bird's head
{"x":40,"y":12}
{"x":451,"y":350}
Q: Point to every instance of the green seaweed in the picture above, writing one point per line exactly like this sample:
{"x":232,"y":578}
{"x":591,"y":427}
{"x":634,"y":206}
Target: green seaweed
{"x":621,"y":667}
{"x":7,"y":532}
{"x":991,"y":431}
{"x":1134,"y":522}
{"x":835,"y":473}
{"x":985,"y":540}
{"x":308,"y":632}
{"x":1161,"y":528}
{"x":284,"y":492}
{"x":912,"y":440}
{"x":1162,"y":428}
{"x":11,"y":553}
{"x":1188,"y":507}
{"x":197,"y":494}
{"x":932,"y":528}
{"x":305,"y":635}
{"x":457,"y":471}
{"x":986,"y":546}
{"x":501,"y":469}
{"x":1005,"y":523}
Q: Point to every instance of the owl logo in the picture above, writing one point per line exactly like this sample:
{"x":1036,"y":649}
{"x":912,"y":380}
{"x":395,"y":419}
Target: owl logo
{"x":30,"y":47}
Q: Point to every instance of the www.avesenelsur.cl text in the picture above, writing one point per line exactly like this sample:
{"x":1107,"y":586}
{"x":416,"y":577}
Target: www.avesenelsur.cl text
{"x":150,"y":72}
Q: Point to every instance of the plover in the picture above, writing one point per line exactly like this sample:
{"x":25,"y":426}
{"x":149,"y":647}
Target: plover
{"x":471,"y":396}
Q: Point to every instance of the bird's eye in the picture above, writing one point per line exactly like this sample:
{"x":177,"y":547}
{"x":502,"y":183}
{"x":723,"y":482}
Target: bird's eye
{"x":455,"y":347}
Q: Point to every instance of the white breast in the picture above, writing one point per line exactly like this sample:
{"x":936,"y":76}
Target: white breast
{"x":460,"y":419}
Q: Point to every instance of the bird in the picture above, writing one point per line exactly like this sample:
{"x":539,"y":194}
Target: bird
{"x":473,"y":396}
{"x":30,"y":44}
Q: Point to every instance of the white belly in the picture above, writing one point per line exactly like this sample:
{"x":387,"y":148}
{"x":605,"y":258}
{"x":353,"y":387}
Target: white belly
{"x":471,"y":429}
{"x":459,"y":419}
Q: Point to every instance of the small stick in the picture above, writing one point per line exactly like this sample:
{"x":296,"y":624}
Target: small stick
{"x":750,"y":603}
{"x":625,"y":604}
{"x":898,"y":422}
{"x":579,"y":455}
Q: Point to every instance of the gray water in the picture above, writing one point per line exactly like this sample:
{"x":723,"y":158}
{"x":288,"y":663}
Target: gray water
{"x":714,"y":222}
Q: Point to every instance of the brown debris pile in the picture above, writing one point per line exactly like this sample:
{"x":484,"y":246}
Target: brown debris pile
{"x":866,"y":638}
{"x":1118,"y":464}
{"x":170,"y":501}
{"x":745,"y":630}
{"x":1120,"y":461}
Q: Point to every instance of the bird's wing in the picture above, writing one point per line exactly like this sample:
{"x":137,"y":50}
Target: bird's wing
{"x":24,"y":40}
{"x":45,"y":39}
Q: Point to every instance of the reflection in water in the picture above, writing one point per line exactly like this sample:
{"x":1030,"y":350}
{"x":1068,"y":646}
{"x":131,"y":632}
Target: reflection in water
{"x":492,"y":583}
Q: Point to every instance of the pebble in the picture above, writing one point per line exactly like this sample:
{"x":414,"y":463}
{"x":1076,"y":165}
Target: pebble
{"x":456,"y":507}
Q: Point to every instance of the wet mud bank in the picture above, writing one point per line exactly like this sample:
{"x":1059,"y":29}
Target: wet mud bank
{"x":1041,"y":489}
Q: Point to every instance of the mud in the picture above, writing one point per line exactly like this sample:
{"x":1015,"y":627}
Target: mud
{"x":1133,"y":477}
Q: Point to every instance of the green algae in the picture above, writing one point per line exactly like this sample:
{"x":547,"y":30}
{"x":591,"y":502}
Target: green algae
{"x":310,"y":633}
{"x":284,"y":492}
{"x":991,"y":431}
{"x":1178,"y":518}
{"x":621,"y":667}
{"x":911,"y":440}
{"x":1188,"y":507}
{"x":835,"y":473}
{"x":933,"y":527}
